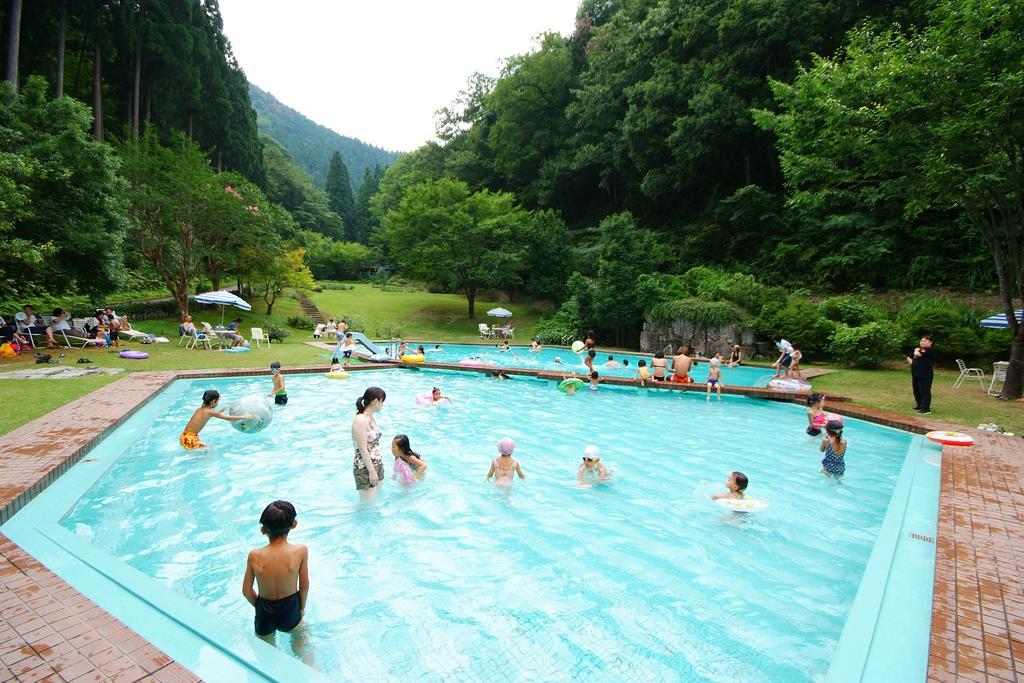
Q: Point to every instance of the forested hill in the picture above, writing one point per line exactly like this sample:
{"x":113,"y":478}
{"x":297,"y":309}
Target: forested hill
{"x":310,"y":144}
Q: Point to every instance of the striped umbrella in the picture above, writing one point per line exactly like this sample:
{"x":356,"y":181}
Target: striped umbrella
{"x":999,"y":321}
{"x":223,"y":298}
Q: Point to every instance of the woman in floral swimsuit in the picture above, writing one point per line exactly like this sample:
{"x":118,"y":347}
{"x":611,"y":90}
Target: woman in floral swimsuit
{"x":368,"y":467}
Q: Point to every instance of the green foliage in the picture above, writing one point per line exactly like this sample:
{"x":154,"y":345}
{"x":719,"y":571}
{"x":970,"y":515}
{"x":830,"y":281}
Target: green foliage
{"x":703,"y":314}
{"x":327,"y":284}
{"x":339,"y":195}
{"x":719,"y":285}
{"x":387,"y":331}
{"x":338,"y":260}
{"x":313,"y":145}
{"x":356,"y":323}
{"x":442,"y":233}
{"x":289,"y":186}
{"x":302,"y":322}
{"x":851,"y":310}
{"x":275,"y":332}
{"x":867,"y":345}
{"x":954,"y":327}
{"x":797,"y":320}
{"x":62,"y":208}
{"x":561,"y":326}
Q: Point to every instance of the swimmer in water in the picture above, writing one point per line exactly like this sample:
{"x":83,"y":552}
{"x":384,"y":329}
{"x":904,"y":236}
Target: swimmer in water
{"x":409,"y":466}
{"x":190,"y":437}
{"x":436,"y":396}
{"x":595,"y":379}
{"x":504,"y":467}
{"x":737,"y":485}
{"x":591,"y":471}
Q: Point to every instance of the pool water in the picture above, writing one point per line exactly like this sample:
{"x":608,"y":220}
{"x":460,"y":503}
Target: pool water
{"x":545,"y":359}
{"x":643,"y":578}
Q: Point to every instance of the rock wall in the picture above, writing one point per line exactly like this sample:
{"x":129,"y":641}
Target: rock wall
{"x":668,"y":337}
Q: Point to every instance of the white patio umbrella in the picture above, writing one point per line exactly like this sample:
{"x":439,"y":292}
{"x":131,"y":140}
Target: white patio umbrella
{"x":999,"y":321}
{"x":499,"y":313}
{"x":224,"y":298}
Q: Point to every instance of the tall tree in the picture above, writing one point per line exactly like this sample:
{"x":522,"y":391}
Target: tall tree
{"x":365,"y":222}
{"x":13,"y":40}
{"x":339,"y":195}
{"x":464,"y":241}
{"x":62,"y":24}
{"x":926,"y":120}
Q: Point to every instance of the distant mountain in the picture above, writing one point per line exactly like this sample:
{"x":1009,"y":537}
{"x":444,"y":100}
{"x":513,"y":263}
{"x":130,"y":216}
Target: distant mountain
{"x":310,"y":144}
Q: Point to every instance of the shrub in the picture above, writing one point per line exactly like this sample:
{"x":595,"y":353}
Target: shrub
{"x":702,"y":314}
{"x":275,"y":332}
{"x":954,"y":326}
{"x":561,"y":326}
{"x":797,"y":320}
{"x":355,"y":323}
{"x":387,"y":331}
{"x":740,"y":289}
{"x":302,"y":322}
{"x":851,"y":310}
{"x":865,"y":345}
{"x":332,"y":285}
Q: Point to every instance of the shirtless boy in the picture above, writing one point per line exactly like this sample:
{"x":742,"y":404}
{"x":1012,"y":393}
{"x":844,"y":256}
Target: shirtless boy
{"x":281,"y":572}
{"x":681,"y":364}
{"x":190,"y":437}
{"x":505,"y":467}
{"x":278,"y":392}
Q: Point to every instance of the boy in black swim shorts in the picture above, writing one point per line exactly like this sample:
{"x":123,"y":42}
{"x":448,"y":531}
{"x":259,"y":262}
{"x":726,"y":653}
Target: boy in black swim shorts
{"x":281,"y":572}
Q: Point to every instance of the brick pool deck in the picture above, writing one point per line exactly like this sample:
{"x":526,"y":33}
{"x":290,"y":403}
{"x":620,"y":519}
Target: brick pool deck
{"x":49,"y":631}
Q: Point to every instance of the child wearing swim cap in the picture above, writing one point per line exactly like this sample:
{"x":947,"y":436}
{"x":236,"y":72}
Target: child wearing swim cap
{"x":505,"y":467}
{"x":737,"y":485}
{"x":591,"y":470}
{"x":278,"y":392}
{"x":715,"y":377}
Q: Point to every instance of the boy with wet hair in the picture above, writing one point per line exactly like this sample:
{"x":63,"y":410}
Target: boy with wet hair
{"x":190,"y":437}
{"x":281,"y":572}
{"x":278,"y":392}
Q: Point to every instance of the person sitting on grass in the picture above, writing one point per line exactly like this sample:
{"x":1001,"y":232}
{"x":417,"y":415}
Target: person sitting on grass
{"x":236,"y":339}
{"x":190,"y":437}
{"x":280,"y":571}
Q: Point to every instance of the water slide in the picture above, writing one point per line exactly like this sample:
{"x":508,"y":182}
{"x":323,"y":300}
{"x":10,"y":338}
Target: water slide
{"x":370,"y":351}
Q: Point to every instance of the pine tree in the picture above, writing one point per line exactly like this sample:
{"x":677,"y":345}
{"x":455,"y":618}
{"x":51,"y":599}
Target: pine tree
{"x":339,"y":194}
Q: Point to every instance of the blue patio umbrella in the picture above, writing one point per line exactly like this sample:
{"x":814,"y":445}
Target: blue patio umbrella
{"x":223,"y":298}
{"x":999,"y":322}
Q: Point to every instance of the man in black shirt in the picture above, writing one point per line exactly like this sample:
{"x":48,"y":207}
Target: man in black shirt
{"x":922,"y":371}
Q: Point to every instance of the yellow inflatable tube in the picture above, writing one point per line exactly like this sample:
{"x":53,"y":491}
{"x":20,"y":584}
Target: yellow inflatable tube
{"x":413,"y":358}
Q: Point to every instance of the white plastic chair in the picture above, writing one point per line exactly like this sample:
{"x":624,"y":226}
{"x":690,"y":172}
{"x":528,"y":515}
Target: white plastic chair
{"x":998,"y":375}
{"x":966,"y":373}
{"x":19,"y":321}
{"x":258,"y":336}
{"x":485,"y":331}
{"x":198,"y":338}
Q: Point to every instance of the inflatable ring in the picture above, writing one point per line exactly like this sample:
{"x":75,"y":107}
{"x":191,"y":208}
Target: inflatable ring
{"x":337,"y":375}
{"x":413,"y":358}
{"x":236,"y":349}
{"x":424,"y":399}
{"x":832,"y":417}
{"x":134,"y":355}
{"x":574,"y":382}
{"x":578,"y":346}
{"x":950,"y":438}
{"x":743,"y":504}
{"x":471,"y":362}
{"x":782,"y":384}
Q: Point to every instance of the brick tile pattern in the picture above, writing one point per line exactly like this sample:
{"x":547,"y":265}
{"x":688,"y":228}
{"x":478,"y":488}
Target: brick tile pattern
{"x":978,"y":608}
{"x":49,"y":631}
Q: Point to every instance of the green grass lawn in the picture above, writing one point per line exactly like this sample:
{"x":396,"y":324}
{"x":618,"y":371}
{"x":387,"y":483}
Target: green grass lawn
{"x":440,"y":317}
{"x":420,"y":315}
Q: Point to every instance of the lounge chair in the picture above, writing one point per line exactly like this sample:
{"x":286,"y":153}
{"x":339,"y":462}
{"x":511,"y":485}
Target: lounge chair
{"x":197,"y":338}
{"x":998,"y":375}
{"x":258,"y":336}
{"x":968,"y":373}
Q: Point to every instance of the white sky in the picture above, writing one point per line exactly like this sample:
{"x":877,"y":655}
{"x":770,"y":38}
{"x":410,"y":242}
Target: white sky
{"x":378,"y":69}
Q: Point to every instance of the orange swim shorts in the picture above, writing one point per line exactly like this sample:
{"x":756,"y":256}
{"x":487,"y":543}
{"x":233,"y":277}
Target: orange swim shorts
{"x":190,"y":440}
{"x":685,"y":379}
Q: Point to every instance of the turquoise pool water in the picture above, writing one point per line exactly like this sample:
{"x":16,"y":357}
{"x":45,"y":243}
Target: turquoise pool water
{"x":520,"y":357}
{"x":641,"y":579}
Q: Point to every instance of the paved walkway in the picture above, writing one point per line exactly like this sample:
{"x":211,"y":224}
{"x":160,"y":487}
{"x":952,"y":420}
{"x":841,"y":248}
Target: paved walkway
{"x":50,"y":631}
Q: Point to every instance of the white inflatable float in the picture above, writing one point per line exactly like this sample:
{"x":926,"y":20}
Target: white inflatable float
{"x":257,"y":405}
{"x":786,"y":384}
{"x":742,"y":504}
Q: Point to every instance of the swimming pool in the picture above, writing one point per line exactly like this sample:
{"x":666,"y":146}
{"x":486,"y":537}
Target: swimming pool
{"x":643,"y":579}
{"x":545,"y":359}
